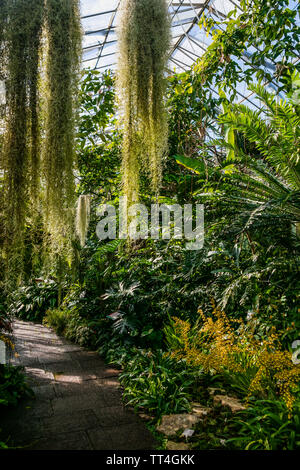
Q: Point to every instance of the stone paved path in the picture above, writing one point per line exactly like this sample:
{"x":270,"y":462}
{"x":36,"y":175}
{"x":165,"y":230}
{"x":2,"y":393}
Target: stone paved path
{"x":77,"y":403}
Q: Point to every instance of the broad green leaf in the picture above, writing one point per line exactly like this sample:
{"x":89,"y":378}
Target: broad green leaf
{"x":191,"y":163}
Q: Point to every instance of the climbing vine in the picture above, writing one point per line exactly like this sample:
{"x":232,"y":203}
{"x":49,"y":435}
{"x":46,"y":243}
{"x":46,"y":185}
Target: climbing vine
{"x":144,"y":41}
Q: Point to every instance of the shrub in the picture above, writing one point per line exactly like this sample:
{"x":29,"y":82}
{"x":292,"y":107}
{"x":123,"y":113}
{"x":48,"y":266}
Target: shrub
{"x":31,"y":302}
{"x":57,"y":319}
{"x":12,"y":385}
{"x":12,"y":389}
{"x":267,"y":426}
{"x":255,"y":366}
{"x":157,"y":383}
{"x":70,"y":324}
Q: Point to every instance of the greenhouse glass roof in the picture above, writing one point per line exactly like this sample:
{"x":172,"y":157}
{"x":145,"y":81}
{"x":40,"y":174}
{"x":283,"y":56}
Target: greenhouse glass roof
{"x":100,"y":18}
{"x":189,"y":42}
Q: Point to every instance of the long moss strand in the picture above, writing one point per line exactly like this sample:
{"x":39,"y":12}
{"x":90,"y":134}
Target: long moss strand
{"x":27,"y":173}
{"x":36,"y":13}
{"x":144,"y":42}
{"x":63,"y":35}
{"x":15,"y":152}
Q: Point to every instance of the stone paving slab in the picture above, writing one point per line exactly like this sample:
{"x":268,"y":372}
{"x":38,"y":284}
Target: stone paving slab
{"x":69,"y":421}
{"x":111,"y":390}
{"x":72,"y":441}
{"x":77,"y":404}
{"x":114,"y":416}
{"x":121,"y":437}
{"x":64,"y":389}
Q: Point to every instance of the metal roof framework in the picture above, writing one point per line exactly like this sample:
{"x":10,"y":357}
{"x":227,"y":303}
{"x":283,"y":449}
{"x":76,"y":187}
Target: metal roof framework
{"x":189,"y":43}
{"x":100,"y":18}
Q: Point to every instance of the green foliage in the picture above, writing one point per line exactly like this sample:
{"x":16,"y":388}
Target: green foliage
{"x":5,"y":320}
{"x":77,"y":317}
{"x":212,"y":432}
{"x":274,"y":130}
{"x":80,"y":331}
{"x":267,"y":426}
{"x":248,"y":177}
{"x":263,"y":426}
{"x":168,"y":276}
{"x":13,"y":388}
{"x":70,"y":324}
{"x":252,"y":199}
{"x":98,"y":141}
{"x":31,"y":302}
{"x":269,"y":29}
{"x":143,"y":287}
{"x":156,"y":383}
{"x":12,"y":385}
{"x":56,"y":318}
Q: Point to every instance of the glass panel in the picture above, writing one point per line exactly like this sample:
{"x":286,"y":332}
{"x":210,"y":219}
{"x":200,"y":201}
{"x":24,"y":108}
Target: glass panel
{"x":96,"y":23}
{"x":91,"y":7}
{"x":100,"y":30}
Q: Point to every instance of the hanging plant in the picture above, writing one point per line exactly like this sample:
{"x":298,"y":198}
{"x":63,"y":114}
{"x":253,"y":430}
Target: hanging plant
{"x":63,"y":36}
{"x":3,"y":21}
{"x":35,"y":11}
{"x":144,"y":42}
{"x":37,"y":149}
{"x":15,"y":145}
{"x":83,"y":217}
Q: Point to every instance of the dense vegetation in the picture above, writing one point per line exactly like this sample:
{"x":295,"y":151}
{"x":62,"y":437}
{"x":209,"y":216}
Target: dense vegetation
{"x":225,"y":317}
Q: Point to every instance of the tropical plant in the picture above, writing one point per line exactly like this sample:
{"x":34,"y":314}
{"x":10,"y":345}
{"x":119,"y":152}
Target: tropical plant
{"x":266,"y":425}
{"x":98,"y":139}
{"x":251,"y":366}
{"x":156,"y":383}
{"x":19,"y":153}
{"x":271,"y":186}
{"x":249,"y":179}
{"x":264,"y":179}
{"x":31,"y":302}
{"x":82,"y":217}
{"x":269,"y":30}
{"x":13,"y":386}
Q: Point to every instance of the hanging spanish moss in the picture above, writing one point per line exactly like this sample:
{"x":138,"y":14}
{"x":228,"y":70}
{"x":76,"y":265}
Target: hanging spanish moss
{"x":3,"y":21}
{"x":15,"y":148}
{"x":83,"y":217}
{"x":144,"y":41}
{"x":63,"y":35}
{"x":37,"y":148}
{"x":35,"y":10}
